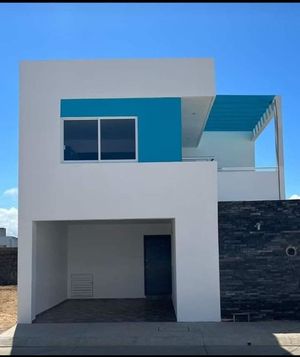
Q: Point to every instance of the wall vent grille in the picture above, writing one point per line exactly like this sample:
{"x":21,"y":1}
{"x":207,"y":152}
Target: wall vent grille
{"x":82,"y":285}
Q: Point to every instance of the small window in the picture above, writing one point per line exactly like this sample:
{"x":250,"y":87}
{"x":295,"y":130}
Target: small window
{"x":80,"y":140}
{"x":117,"y":139}
{"x":99,"y":139}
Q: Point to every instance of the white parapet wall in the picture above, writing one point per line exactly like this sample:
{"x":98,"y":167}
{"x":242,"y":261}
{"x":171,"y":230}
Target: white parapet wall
{"x":125,"y":78}
{"x":247,"y":185}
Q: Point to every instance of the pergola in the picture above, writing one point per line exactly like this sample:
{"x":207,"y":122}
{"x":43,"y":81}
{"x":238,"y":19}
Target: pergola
{"x":249,"y":113}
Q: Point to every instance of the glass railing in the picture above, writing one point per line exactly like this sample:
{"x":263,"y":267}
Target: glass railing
{"x":230,"y":169}
{"x":256,"y":169}
{"x":199,"y":158}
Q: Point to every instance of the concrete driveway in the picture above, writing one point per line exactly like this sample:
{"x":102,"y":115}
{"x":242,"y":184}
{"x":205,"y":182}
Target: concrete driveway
{"x":247,"y":338}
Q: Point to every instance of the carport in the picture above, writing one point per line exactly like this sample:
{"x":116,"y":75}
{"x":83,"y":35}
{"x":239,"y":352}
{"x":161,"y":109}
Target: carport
{"x":104,"y":270}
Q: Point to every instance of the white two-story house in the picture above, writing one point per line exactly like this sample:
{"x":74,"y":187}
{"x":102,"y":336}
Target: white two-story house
{"x":122,"y":164}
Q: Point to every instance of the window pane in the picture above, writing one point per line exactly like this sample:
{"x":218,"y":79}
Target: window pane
{"x":81,"y":140}
{"x":117,"y":139}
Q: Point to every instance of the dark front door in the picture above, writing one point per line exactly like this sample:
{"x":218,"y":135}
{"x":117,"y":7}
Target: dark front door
{"x":158,"y":272}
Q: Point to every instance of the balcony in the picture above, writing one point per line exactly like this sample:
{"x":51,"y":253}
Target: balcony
{"x":244,"y":183}
{"x":248,"y":184}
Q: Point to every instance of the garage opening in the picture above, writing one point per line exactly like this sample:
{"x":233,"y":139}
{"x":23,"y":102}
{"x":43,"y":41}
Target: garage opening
{"x":104,"y":271}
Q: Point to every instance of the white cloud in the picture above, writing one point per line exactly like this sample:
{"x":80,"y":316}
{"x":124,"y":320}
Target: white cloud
{"x":9,"y":220}
{"x":294,"y":197}
{"x":11,"y":192}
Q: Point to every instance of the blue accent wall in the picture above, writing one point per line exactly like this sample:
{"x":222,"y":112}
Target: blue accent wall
{"x":159,"y":122}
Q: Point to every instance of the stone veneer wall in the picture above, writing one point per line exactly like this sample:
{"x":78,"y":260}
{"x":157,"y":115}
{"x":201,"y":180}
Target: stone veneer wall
{"x":256,"y":274}
{"x":8,"y":266}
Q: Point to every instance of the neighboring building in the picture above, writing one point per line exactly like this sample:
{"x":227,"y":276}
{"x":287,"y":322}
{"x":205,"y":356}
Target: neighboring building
{"x":120,"y":159}
{"x":8,"y":258}
{"x":7,"y":241}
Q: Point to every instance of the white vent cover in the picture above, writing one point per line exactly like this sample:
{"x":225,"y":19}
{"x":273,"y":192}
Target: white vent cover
{"x":81,"y":285}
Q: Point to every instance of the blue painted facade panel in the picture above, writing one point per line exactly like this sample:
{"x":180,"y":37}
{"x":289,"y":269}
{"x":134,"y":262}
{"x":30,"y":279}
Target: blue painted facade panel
{"x":159,"y":122}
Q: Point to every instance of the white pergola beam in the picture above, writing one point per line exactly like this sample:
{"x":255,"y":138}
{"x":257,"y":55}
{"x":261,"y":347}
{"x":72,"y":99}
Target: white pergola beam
{"x":279,"y":146}
{"x":263,"y":122}
{"x":274,"y":110}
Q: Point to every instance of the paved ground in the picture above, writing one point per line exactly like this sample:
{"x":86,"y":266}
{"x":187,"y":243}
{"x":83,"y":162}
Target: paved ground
{"x":110,"y":310}
{"x":253,"y":338}
{"x":153,"y":350}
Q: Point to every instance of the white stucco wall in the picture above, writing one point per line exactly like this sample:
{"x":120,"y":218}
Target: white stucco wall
{"x":125,"y":78}
{"x":51,"y":264}
{"x":113,"y":253}
{"x":50,"y":190}
{"x":230,"y":149}
{"x":184,"y":191}
{"x":248,"y":185}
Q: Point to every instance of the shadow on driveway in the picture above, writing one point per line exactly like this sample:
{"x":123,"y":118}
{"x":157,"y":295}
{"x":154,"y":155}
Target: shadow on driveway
{"x":207,"y":338}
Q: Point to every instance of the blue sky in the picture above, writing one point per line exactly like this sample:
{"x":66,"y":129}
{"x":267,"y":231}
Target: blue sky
{"x":255,"y":47}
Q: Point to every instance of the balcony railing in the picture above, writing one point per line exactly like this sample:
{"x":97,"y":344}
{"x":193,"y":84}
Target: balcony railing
{"x":230,"y":169}
{"x":199,"y":158}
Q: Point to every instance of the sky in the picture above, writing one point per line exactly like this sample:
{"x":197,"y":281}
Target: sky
{"x":255,"y":48}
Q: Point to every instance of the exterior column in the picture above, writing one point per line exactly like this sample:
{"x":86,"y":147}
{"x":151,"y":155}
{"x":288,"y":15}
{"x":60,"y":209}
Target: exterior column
{"x":279,"y":146}
{"x":26,"y":269}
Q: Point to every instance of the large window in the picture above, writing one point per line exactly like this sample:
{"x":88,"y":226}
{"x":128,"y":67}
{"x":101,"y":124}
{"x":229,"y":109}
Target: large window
{"x":81,"y":140}
{"x":101,"y":139}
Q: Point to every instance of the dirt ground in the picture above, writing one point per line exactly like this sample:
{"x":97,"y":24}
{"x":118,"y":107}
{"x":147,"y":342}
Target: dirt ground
{"x":8,"y":306}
